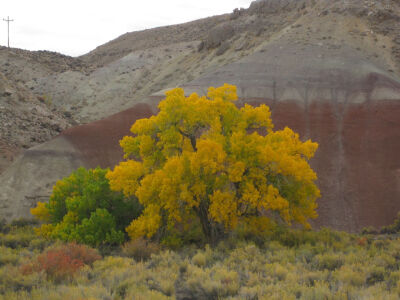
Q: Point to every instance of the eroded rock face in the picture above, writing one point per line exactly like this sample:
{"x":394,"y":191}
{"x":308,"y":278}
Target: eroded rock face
{"x":273,"y":6}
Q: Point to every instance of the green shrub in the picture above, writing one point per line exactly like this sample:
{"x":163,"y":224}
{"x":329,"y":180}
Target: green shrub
{"x":214,"y":283}
{"x":4,"y":228}
{"x":276,"y":270}
{"x":83,"y":208}
{"x":38,"y":244}
{"x":346,"y":275}
{"x":369,"y":230}
{"x":375,"y":275}
{"x":8,"y":256}
{"x":43,"y":290}
{"x":328,"y":261}
{"x":293,"y":238}
{"x":172,"y":240}
{"x":12,"y":280}
{"x":319,"y":291}
{"x":380,"y":244}
{"x":394,"y":279}
{"x":394,"y":228}
{"x":305,"y":254}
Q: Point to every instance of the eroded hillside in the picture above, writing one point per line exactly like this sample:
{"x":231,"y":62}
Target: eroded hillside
{"x":25,"y":121}
{"x":115,"y":76}
{"x":138,"y":64}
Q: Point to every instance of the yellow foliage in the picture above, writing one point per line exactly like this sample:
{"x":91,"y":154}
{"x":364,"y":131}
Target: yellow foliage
{"x":45,"y":231}
{"x":236,"y":171}
{"x":205,"y":156}
{"x":224,"y":202}
{"x":41,"y":211}
{"x":147,"y":224}
{"x":125,"y":177}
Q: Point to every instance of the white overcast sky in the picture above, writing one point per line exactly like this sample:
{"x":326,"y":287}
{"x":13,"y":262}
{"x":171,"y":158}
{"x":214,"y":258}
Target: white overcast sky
{"x":75,"y":27}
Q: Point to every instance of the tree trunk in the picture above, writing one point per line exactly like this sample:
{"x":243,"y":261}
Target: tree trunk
{"x":213,"y":232}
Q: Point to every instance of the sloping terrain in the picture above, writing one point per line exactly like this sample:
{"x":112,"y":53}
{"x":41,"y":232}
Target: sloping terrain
{"x":140,"y":63}
{"x":328,"y":69}
{"x":122,"y":72}
{"x":28,"y":119}
{"x":24,"y":121}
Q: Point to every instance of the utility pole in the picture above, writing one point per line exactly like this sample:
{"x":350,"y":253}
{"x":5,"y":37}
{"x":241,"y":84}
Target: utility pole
{"x":8,"y":30}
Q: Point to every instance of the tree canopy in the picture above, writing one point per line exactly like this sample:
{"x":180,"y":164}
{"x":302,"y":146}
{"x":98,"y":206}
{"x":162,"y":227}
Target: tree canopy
{"x":205,"y":158}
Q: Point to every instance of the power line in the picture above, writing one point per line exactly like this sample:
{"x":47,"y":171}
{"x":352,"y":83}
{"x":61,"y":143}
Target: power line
{"x":8,"y":30}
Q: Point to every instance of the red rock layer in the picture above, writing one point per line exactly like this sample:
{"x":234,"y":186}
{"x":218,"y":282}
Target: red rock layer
{"x":98,"y":142}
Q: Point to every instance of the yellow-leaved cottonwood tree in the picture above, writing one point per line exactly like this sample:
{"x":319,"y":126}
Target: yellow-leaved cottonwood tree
{"x":203,"y":157}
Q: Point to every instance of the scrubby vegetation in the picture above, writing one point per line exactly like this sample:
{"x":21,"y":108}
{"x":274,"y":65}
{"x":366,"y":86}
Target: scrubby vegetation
{"x":288,"y":264}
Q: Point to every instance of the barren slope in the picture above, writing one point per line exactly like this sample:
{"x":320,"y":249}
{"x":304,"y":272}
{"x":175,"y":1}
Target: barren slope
{"x":24,"y":121}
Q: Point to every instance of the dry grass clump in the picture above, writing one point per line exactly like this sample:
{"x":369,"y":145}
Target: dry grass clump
{"x":199,"y":259}
{"x":140,"y":249}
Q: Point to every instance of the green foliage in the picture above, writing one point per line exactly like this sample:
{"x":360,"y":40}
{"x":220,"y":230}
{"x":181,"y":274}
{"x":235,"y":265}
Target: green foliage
{"x":328,"y":261}
{"x":82,"y":208}
{"x":326,"y":237}
{"x":100,"y":228}
{"x":4,"y":228}
{"x":186,"y":234}
{"x":8,"y":256}
{"x":390,"y":229}
{"x":376,"y":275}
{"x":12,"y":280}
{"x":394,"y":228}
